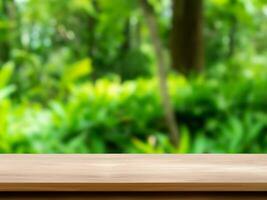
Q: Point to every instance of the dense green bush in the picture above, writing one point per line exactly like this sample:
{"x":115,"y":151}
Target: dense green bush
{"x":80,"y":76}
{"x":216,"y":112}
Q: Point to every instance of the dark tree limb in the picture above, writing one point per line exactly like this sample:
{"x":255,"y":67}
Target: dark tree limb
{"x":187,"y":52}
{"x":166,"y":101}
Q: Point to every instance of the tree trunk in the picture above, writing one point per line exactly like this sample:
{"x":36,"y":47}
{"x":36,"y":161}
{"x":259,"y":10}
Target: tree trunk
{"x":186,"y":36}
{"x":232,"y":37}
{"x":167,"y":106}
{"x":4,"y":45}
{"x":124,"y":48}
{"x":232,"y":32}
{"x":92,"y":23}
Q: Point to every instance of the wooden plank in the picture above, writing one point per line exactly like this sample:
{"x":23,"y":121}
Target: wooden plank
{"x":126,"y":172}
{"x":134,"y":196}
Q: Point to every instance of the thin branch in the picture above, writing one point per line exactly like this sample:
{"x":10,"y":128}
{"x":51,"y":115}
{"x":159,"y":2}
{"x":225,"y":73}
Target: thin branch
{"x":168,"y":108}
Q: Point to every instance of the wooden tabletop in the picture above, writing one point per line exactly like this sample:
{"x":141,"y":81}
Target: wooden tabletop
{"x":129,"y":172}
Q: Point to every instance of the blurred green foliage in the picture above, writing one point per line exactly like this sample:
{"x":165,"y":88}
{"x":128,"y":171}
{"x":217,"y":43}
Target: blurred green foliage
{"x":217,"y":114}
{"x":78,"y":76}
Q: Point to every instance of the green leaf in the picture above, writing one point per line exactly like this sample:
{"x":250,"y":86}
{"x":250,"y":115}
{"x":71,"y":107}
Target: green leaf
{"x":5,"y":74}
{"x":6,"y":92}
{"x":184,"y":145}
{"x":78,"y":70}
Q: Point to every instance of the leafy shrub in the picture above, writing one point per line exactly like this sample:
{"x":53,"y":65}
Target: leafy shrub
{"x":222,"y":114}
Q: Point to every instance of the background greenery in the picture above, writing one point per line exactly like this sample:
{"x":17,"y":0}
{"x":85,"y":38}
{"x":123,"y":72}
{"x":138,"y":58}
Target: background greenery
{"x":79,"y":76}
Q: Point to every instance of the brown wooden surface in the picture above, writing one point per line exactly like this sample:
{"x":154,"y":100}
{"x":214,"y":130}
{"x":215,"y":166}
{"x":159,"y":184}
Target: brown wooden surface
{"x":133,"y":172}
{"x":133,"y":196}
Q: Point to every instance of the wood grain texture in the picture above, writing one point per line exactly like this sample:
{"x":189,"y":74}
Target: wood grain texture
{"x":126,"y":172}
